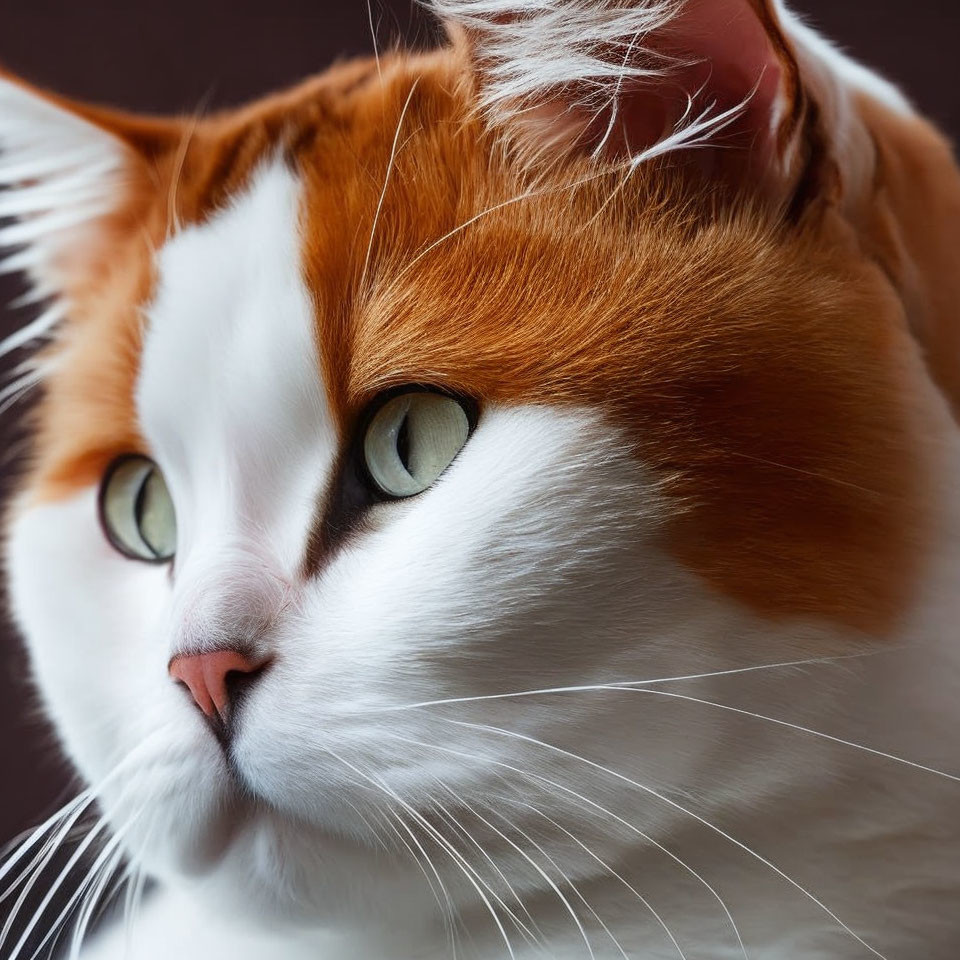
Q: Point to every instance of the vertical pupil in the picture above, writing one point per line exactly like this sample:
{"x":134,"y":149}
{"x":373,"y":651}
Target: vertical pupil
{"x":141,"y":500}
{"x":403,"y":442}
{"x":139,"y":506}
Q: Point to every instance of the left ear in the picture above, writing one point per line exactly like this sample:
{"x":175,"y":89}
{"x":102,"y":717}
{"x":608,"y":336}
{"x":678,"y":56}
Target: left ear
{"x":718,"y":80}
{"x":65,"y":168}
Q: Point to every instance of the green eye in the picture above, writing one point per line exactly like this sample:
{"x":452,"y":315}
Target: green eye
{"x":136,"y":510}
{"x":412,"y":439}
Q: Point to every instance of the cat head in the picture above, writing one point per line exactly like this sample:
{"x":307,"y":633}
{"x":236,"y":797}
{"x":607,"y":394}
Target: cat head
{"x":583,"y":350}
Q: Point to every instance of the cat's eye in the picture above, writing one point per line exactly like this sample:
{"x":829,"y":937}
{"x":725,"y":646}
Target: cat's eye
{"x":412,"y":438}
{"x":136,"y":510}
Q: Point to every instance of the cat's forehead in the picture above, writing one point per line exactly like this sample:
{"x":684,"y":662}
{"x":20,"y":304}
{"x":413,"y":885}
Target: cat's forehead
{"x":332,"y":248}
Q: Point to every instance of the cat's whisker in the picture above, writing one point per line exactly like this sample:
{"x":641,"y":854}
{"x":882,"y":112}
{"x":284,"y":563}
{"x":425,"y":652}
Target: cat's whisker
{"x":628,"y":173}
{"x":793,"y":726}
{"x":132,"y":880}
{"x":457,"y":798}
{"x":541,"y":872}
{"x":680,"y":809}
{"x":92,"y":880}
{"x":374,"y":832}
{"x":37,"y":329}
{"x":631,"y":684}
{"x":373,"y":37}
{"x":38,"y":913}
{"x":471,"y":875}
{"x":67,"y":817}
{"x":839,"y":481}
{"x":593,"y":805}
{"x":101,"y":874}
{"x":529,"y":194}
{"x":446,"y":905}
{"x":640,"y":686}
{"x":390,"y":840}
{"x":566,"y":879}
{"x":38,"y":868}
{"x":33,"y":837}
{"x":386,"y":181}
{"x":606,"y":866}
{"x":447,"y":908}
{"x":526,"y":931}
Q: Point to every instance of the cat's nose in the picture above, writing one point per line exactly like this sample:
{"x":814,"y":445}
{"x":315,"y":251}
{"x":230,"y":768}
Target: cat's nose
{"x":214,"y":679}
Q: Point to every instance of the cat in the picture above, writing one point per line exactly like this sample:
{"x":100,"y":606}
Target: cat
{"x":499,"y":501}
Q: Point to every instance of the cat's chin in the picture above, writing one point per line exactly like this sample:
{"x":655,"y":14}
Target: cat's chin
{"x":276,"y":869}
{"x":213,"y":834}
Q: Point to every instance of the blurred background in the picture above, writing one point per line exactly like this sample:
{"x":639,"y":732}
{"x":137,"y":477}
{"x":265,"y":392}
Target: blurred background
{"x":175,"y":56}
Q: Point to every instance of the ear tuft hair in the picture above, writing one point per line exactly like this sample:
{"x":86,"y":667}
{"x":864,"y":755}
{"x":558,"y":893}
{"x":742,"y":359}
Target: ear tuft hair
{"x":529,"y":48}
{"x":59,"y":173}
{"x":587,"y":54}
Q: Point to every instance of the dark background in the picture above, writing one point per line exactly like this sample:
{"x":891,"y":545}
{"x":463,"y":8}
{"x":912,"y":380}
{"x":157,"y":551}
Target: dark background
{"x":176,"y":56}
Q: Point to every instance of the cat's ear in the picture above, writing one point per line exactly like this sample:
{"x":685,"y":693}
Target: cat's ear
{"x":716,"y":82}
{"x":64,"y":169}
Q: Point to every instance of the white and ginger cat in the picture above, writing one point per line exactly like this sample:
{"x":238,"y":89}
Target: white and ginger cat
{"x":502,"y":502}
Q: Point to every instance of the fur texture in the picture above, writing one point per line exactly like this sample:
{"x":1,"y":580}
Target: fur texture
{"x":665,"y":662}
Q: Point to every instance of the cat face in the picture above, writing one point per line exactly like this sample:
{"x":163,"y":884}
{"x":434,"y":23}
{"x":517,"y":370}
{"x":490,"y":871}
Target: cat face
{"x":359,"y":388}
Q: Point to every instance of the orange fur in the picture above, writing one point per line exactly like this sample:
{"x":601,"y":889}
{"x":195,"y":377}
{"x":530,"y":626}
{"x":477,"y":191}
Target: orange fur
{"x":911,"y":225}
{"x":757,"y":368}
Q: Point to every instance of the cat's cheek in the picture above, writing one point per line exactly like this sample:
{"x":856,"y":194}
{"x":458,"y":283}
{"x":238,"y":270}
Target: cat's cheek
{"x":93,"y":623}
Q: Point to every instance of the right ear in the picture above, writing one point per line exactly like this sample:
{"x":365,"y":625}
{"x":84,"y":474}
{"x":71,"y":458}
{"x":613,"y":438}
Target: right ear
{"x":737,"y":90}
{"x":64,"y":169}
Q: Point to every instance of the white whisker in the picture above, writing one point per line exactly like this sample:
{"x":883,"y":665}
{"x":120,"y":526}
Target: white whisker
{"x":793,"y":726}
{"x":534,"y":191}
{"x":626,"y":684}
{"x":681,"y":809}
{"x":533,"y":938}
{"x":374,"y":832}
{"x":420,"y":856}
{"x":373,"y":37}
{"x":542,"y":873}
{"x":91,"y":883}
{"x":93,"y":833}
{"x":63,"y":822}
{"x":536,"y":777}
{"x":556,"y":866}
{"x":606,"y":866}
{"x":445,"y":905}
{"x":465,"y":867}
{"x":386,"y":182}
{"x":34,"y":836}
{"x":49,"y":852}
{"x":103,"y":870}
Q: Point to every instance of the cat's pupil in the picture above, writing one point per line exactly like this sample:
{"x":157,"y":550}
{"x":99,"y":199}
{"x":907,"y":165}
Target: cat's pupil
{"x":141,"y":501}
{"x":403,"y":442}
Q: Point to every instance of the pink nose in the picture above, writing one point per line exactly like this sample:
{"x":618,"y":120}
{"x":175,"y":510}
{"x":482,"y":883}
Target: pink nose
{"x":205,"y":676}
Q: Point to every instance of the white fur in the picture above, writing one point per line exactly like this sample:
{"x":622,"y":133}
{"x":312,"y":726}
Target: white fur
{"x":533,"y":563}
{"x":58,"y":175}
{"x":529,"y":49}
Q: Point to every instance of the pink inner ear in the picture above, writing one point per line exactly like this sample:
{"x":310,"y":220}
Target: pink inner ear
{"x":717,"y":52}
{"x":738,"y":59}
